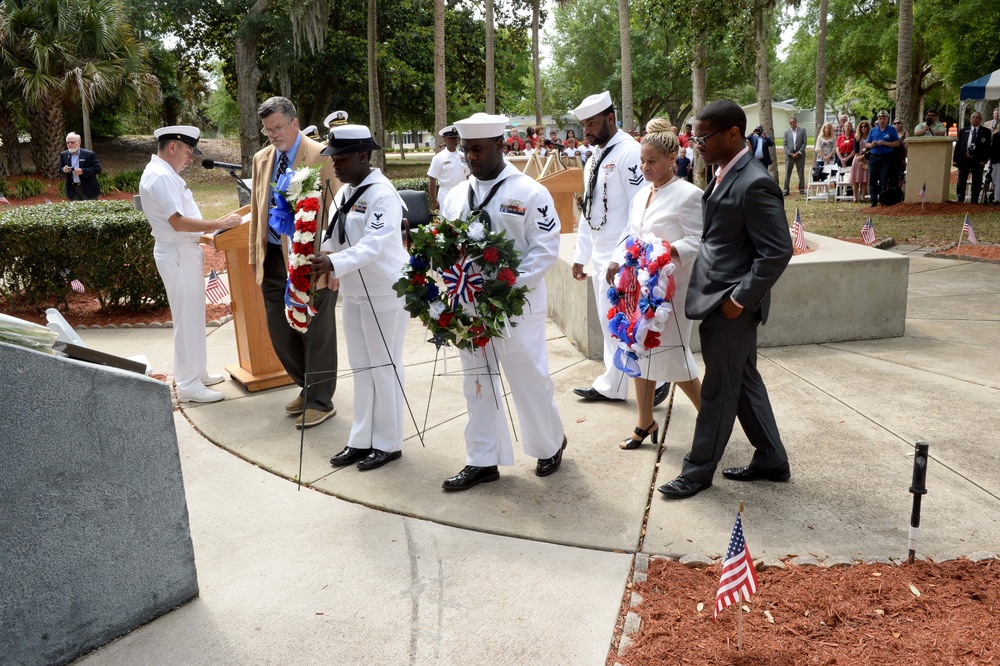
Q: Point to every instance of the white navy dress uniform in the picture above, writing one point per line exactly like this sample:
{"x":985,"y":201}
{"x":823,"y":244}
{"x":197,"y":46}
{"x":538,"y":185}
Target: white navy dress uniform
{"x":448,"y":167}
{"x":523,"y":209}
{"x":618,"y":179}
{"x":368,"y":257}
{"x":180,"y":262}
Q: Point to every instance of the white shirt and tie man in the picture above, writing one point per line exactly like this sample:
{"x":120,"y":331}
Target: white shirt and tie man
{"x":448,"y":167}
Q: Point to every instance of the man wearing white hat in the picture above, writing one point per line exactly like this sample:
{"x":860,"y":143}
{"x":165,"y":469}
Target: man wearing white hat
{"x":291,"y":149}
{"x":176,"y":225}
{"x":508,"y":201}
{"x":335,"y":118}
{"x":611,"y":177}
{"x":447,"y":168}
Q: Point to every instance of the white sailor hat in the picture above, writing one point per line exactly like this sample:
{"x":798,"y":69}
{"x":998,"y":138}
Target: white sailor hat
{"x":335,"y":118}
{"x":349,"y":139}
{"x":594,"y":105}
{"x":449,"y":131}
{"x":189,"y":134}
{"x":482,"y":126}
{"x":312,"y":132}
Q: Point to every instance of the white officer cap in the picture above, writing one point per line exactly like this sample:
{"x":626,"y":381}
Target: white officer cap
{"x":335,"y":118}
{"x":593,"y":105}
{"x":482,"y":126}
{"x":189,"y":134}
{"x":349,"y":139}
{"x":449,"y":131}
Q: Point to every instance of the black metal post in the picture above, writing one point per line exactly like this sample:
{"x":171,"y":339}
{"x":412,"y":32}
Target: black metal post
{"x":919,"y":489}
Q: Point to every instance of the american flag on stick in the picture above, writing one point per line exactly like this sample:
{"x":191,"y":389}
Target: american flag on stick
{"x":967,"y":229}
{"x":77,"y":286}
{"x":739,"y":577}
{"x":215,"y":289}
{"x":868,"y":232}
{"x":3,"y":199}
{"x":923,"y":195}
{"x":800,"y":235}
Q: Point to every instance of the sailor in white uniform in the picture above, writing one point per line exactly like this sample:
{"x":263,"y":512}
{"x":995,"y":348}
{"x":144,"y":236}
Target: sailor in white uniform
{"x":521,"y":207}
{"x":363,"y":248}
{"x":176,"y":225}
{"x":447,"y":168}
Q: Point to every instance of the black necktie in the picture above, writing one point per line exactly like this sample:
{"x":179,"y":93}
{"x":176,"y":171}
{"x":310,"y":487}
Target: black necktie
{"x":282,"y":168}
{"x":484,"y":217}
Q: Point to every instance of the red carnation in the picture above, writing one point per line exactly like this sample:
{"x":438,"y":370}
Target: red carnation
{"x":635,"y":250}
{"x":446,"y":318}
{"x":306,"y":226}
{"x":418,"y":279}
{"x":299,"y":281}
{"x":491,"y":255}
{"x":652,"y":340}
{"x":308,"y":204}
{"x":507,"y":276}
{"x":477,"y":329}
{"x":481,"y":342}
{"x":612,"y":311}
{"x":303,"y":249}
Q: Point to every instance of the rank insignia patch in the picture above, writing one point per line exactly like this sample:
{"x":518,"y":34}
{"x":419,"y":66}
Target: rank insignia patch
{"x":513,"y":207}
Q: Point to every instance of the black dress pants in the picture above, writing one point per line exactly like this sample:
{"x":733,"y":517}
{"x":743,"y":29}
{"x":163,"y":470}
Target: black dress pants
{"x":878,"y":175}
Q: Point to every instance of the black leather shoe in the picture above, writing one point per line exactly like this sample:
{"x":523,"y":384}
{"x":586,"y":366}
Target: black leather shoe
{"x":681,"y":488}
{"x":753,"y":473}
{"x":378,"y":458}
{"x":348,"y":456}
{"x":784,"y":193}
{"x":471,"y":476}
{"x":661,"y":394}
{"x":546,"y":466}
{"x":590,"y":393}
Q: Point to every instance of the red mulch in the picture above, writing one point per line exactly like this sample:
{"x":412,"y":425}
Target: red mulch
{"x":990,"y":252}
{"x":52,"y":192}
{"x":943,"y":208}
{"x":852,"y":616}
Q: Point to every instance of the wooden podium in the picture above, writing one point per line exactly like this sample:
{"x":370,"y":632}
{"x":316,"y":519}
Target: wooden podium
{"x":564,"y":186}
{"x":259,"y":367}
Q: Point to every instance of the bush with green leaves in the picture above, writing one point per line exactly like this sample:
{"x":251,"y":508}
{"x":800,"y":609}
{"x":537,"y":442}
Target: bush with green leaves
{"x":419,"y":184}
{"x":106,"y":184}
{"x":106,"y":245}
{"x":3,"y":189}
{"x":127,"y":181}
{"x":28,"y":187}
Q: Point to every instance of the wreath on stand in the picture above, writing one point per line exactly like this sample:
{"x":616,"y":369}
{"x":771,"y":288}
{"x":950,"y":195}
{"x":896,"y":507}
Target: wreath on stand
{"x":461,"y":282}
{"x":640,"y":300}
{"x":296,"y":196}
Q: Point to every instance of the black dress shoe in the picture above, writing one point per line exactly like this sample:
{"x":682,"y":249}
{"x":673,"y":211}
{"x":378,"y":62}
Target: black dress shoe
{"x":784,"y":193}
{"x":753,"y":473}
{"x":546,"y":466}
{"x":661,"y":394}
{"x":348,"y":456}
{"x":681,"y":488}
{"x":471,"y":476}
{"x":378,"y":458}
{"x":590,"y":393}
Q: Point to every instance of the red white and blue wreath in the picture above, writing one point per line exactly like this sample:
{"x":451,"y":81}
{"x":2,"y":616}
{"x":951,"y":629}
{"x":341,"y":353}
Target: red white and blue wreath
{"x":640,"y":300}
{"x":296,"y":196}
{"x":461,"y":282}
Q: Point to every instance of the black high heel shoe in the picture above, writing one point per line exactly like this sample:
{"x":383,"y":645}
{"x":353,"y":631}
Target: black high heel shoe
{"x":628,"y":443}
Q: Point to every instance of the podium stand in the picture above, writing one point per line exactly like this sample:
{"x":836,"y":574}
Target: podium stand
{"x":259,"y":367}
{"x":928,"y":161}
{"x":564,"y":186}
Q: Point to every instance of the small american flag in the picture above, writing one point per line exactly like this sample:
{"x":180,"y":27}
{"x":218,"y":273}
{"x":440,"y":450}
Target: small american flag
{"x":923,"y":193}
{"x":3,"y":199}
{"x":967,"y":229}
{"x":77,"y":286}
{"x":800,"y":235}
{"x":47,"y":200}
{"x":215,"y":289}
{"x":868,"y":232}
{"x":739,"y":578}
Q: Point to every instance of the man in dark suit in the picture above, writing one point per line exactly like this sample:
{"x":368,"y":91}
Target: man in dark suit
{"x":745,"y":247}
{"x":795,"y":154}
{"x":971,"y":152}
{"x":80,"y":167}
{"x":760,"y":146}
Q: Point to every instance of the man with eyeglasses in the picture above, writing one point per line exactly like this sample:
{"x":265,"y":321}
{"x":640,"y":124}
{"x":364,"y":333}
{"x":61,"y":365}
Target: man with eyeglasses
{"x":290,"y":149}
{"x":931,"y":125}
{"x":80,"y":166}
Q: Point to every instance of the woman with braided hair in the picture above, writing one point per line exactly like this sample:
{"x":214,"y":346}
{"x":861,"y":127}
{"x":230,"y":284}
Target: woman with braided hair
{"x":670,"y":209}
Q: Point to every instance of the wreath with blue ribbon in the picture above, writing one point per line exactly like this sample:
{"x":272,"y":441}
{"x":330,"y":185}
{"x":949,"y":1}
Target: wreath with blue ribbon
{"x":461,"y":282}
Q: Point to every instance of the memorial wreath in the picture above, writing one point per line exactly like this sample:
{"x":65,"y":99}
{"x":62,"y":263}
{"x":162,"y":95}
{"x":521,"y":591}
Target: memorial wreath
{"x":461,"y":282}
{"x":295,"y":214}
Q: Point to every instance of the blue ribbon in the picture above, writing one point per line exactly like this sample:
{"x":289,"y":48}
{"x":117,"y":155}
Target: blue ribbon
{"x":282,"y":217}
{"x":627,"y":362}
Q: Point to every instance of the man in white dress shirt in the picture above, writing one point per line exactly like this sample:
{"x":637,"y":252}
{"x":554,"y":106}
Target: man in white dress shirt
{"x":518,"y":205}
{"x":176,"y":224}
{"x":447,"y":168}
{"x":611,"y":177}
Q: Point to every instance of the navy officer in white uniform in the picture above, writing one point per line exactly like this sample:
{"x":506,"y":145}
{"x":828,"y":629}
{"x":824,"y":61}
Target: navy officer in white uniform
{"x":363,"y":248}
{"x":447,"y":168}
{"x":518,"y":205}
{"x":176,"y":224}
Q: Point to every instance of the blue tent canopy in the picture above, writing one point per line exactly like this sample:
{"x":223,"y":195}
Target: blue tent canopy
{"x":985,"y":87}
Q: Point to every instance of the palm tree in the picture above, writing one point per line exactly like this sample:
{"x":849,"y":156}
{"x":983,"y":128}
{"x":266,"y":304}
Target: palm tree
{"x":440,"y":83}
{"x":625,"y":29}
{"x":905,"y":108}
{"x":491,"y":82}
{"x":821,"y":65}
{"x":374,"y":99}
{"x":536,"y":66}
{"x":763,"y":12}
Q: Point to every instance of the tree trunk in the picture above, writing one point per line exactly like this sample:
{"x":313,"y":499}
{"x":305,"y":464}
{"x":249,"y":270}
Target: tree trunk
{"x":905,"y":108}
{"x":763,"y":12}
{"x":87,"y":143}
{"x":440,"y":83}
{"x":699,"y":84}
{"x":247,"y":80}
{"x":491,"y":85}
{"x":374,"y":100}
{"x":10,"y":160}
{"x":821,"y":66}
{"x":625,"y":30}
{"x":535,"y":56}
{"x":48,"y":133}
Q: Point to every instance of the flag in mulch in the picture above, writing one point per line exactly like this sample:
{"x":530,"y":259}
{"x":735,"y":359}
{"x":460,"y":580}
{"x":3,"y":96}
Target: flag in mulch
{"x":739,"y":577}
{"x":3,"y":199}
{"x":47,"y":200}
{"x":967,"y":229}
{"x":77,"y":286}
{"x":800,"y":235}
{"x":868,"y":232}
{"x":215,"y":289}
{"x":923,"y":193}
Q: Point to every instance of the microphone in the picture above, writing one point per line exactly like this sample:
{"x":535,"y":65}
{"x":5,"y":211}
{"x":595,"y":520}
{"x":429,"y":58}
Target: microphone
{"x":211,"y":164}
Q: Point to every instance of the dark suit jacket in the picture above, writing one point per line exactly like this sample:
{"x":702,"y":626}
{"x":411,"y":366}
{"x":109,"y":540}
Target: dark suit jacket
{"x":88,"y":179}
{"x":768,"y":142}
{"x":745,"y":242}
{"x":982,"y":152}
{"x":795,"y":142}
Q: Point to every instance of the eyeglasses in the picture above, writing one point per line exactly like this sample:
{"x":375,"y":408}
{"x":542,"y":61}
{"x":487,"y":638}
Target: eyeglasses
{"x":702,"y":140}
{"x":277,"y":130}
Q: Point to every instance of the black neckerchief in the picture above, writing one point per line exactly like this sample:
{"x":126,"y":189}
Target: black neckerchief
{"x":588,"y":199}
{"x":478,"y":210}
{"x":341,"y":220}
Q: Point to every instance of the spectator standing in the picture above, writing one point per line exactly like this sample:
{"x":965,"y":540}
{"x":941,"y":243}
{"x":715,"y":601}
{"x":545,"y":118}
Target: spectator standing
{"x":571,"y":141}
{"x":515,"y":142}
{"x":859,"y":167}
{"x":971,"y":152}
{"x":931,"y":125}
{"x":447,"y":168}
{"x":882,"y":139}
{"x":847,"y":145}
{"x":760,"y":146}
{"x":795,"y":154}
{"x":899,"y":154}
{"x":825,"y":149}
{"x":80,"y":167}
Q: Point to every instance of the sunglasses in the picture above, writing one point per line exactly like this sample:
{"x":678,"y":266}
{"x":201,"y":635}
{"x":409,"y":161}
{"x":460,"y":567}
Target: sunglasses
{"x":702,"y":140}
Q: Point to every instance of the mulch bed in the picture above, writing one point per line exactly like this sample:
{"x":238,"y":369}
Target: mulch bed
{"x":943,"y":208}
{"x":854,"y":616}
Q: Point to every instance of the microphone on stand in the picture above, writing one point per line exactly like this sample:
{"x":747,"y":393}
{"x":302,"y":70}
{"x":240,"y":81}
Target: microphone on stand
{"x":211,"y":164}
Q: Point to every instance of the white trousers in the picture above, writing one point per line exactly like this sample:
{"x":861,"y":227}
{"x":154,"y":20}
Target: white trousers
{"x":378,"y":395}
{"x":182,"y":265}
{"x":613,"y":383}
{"x":525,"y":363}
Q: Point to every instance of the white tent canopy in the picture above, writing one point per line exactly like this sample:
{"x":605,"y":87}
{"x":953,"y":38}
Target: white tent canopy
{"x":985,"y":87}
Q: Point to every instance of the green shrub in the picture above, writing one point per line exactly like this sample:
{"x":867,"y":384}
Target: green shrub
{"x":3,"y":189}
{"x":127,"y":181}
{"x":28,"y":187}
{"x":105,"y":182}
{"x":420,"y":184}
{"x":28,"y":171}
{"x":105,"y":244}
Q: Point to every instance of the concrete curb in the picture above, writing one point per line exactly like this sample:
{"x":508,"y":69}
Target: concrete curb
{"x":934,"y":254}
{"x":215,"y":323}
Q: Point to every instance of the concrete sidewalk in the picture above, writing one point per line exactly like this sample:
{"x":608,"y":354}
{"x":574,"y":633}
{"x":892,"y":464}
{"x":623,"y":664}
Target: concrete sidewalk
{"x":536,"y":572}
